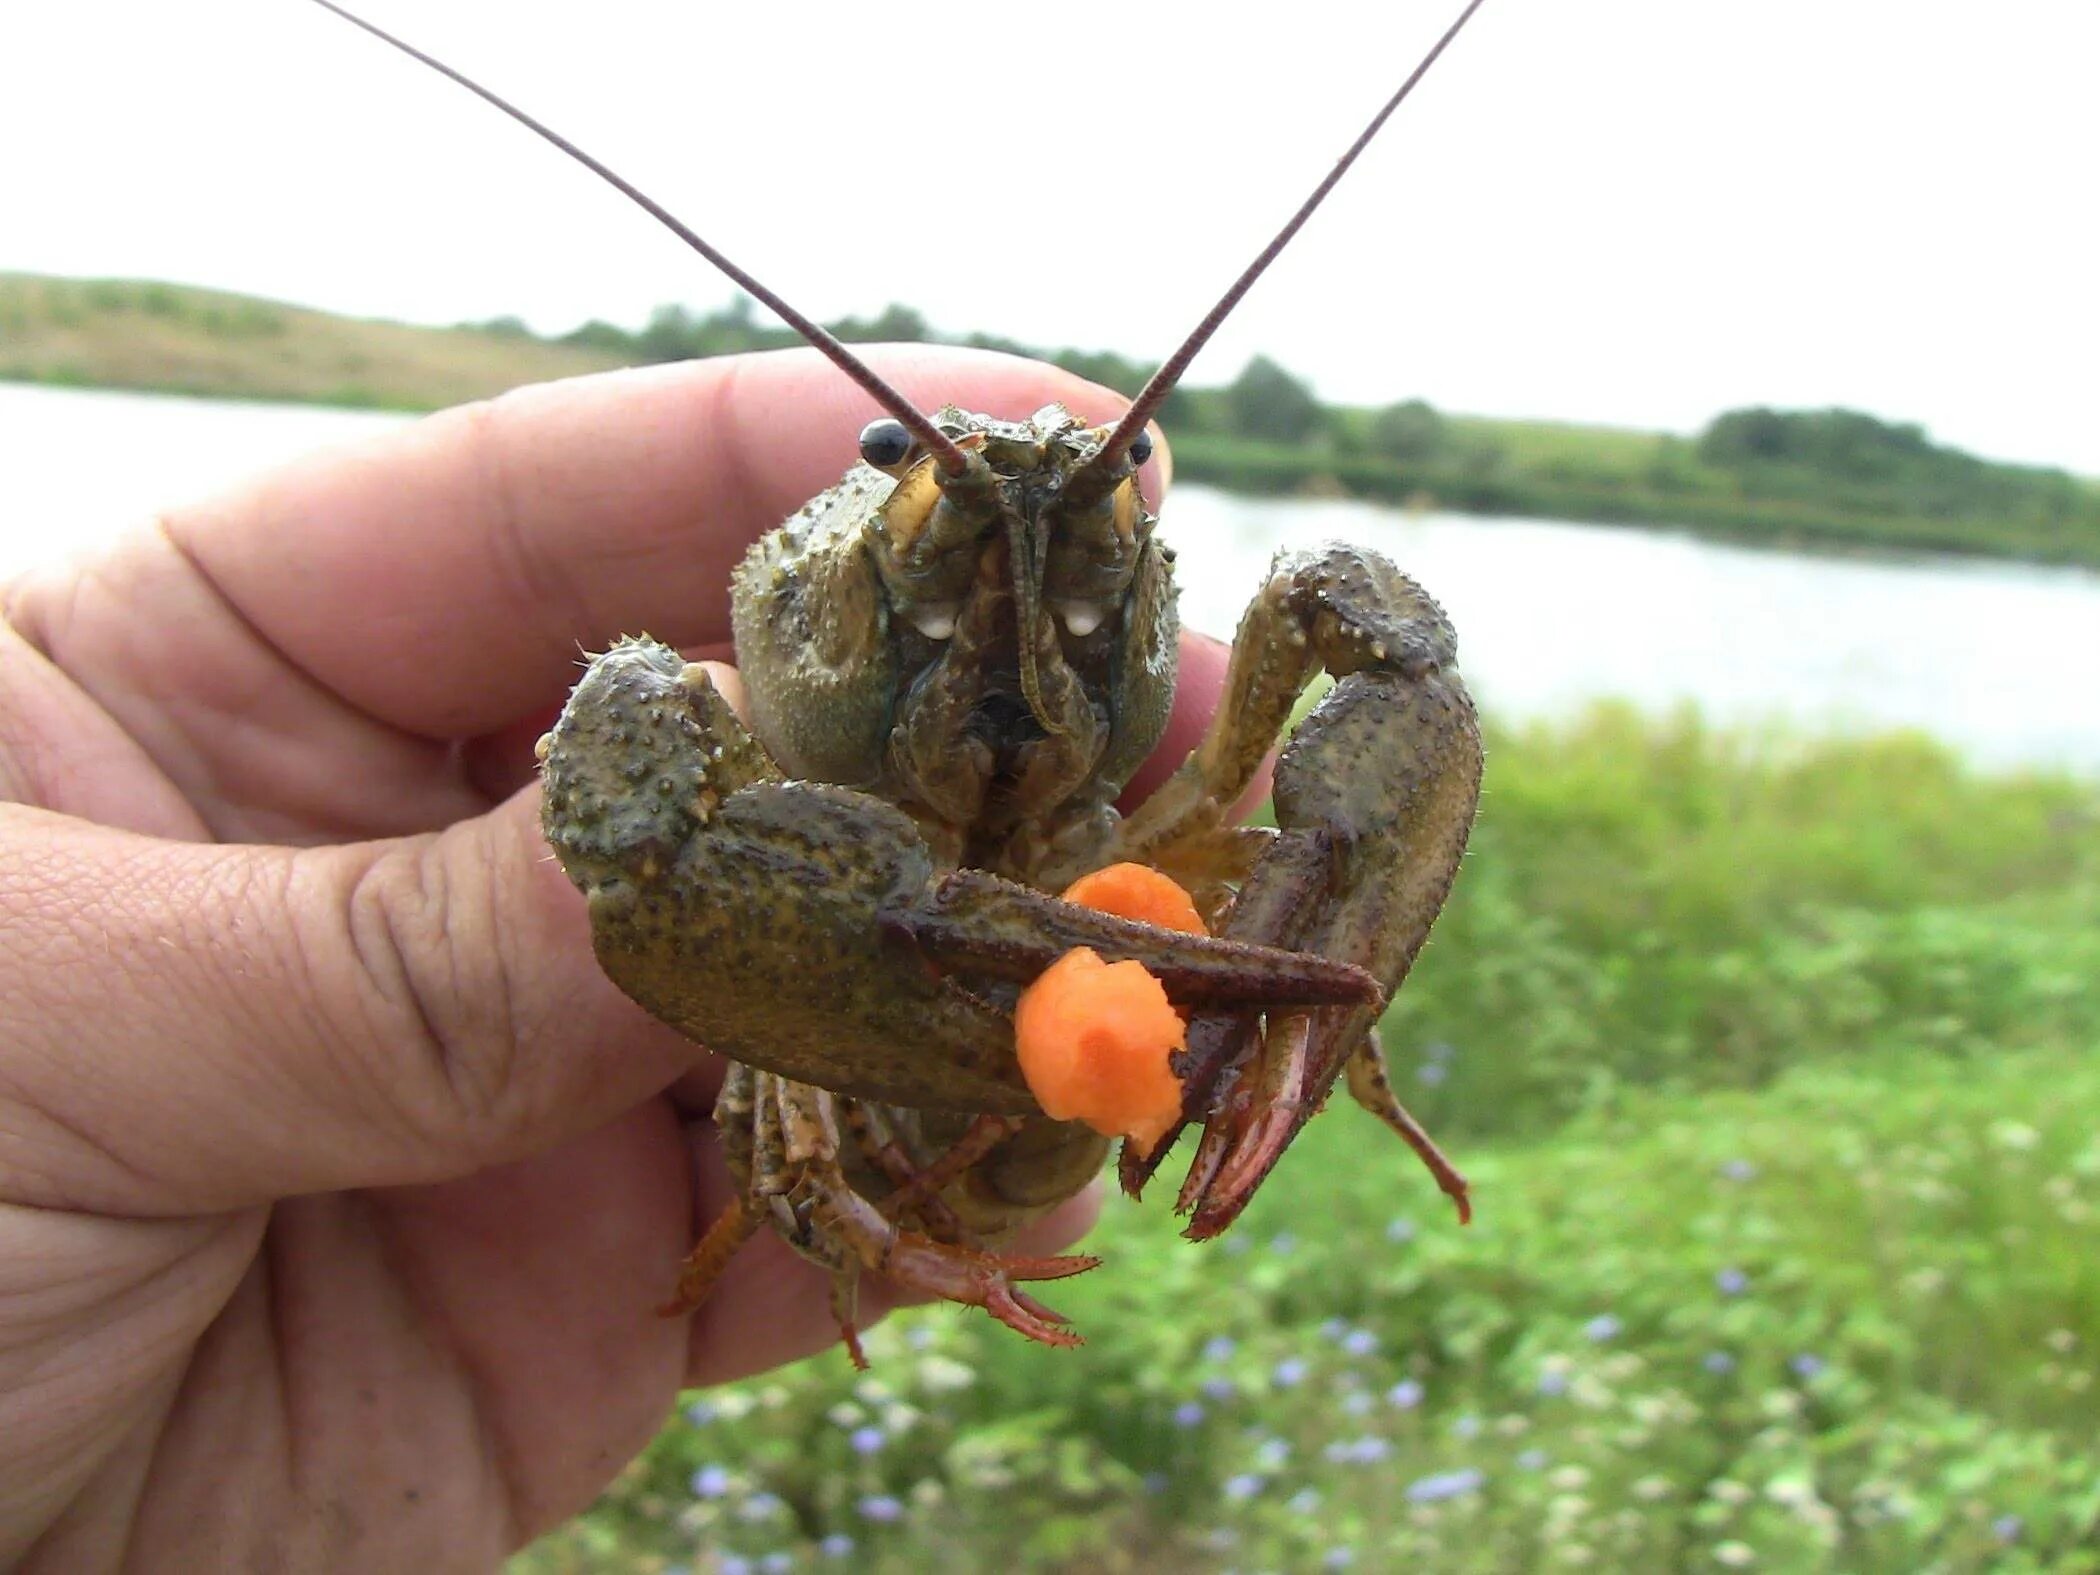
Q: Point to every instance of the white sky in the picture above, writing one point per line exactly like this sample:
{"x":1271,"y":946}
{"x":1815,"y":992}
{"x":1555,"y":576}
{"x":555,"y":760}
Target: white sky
{"x":1629,"y":211}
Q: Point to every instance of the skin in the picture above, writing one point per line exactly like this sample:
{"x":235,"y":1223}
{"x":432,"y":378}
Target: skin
{"x":336,"y":1182}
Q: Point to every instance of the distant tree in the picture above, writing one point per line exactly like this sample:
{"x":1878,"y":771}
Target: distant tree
{"x":598,"y":334}
{"x":1410,"y":430}
{"x":1189,"y":410}
{"x":1267,"y":402}
{"x":672,"y":334}
{"x":1876,"y":464}
{"x":894,"y":324}
{"x":1737,"y":437}
{"x":1847,"y":444}
{"x":1105,"y":367}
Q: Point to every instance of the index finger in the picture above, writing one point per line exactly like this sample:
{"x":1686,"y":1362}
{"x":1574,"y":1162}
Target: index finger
{"x":441,"y":579}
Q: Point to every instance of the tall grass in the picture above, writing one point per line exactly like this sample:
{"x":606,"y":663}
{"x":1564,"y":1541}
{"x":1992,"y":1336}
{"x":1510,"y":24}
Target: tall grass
{"x":1655,"y":904}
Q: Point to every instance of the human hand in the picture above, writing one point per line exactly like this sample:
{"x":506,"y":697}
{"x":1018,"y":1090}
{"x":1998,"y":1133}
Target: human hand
{"x":337,"y":1184}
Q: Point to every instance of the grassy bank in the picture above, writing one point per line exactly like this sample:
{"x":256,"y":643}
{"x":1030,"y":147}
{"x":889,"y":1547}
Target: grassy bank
{"x":165,"y":338}
{"x":1774,"y":1067}
{"x":1874,"y":485}
{"x":1627,"y":478}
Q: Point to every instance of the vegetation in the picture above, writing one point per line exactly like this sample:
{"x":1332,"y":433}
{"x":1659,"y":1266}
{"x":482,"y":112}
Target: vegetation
{"x":1830,"y":477}
{"x":108,"y":333}
{"x":1773,"y":1067}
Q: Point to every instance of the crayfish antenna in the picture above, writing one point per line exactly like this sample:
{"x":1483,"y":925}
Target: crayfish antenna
{"x":1162,"y":382}
{"x":936,"y":442}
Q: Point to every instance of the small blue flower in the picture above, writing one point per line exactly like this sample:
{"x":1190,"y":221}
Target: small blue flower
{"x":1553,"y":1383}
{"x":1338,"y":1559}
{"x":920,"y":1338}
{"x":1807,"y":1366}
{"x":1334,"y":1328}
{"x":1242,"y":1487}
{"x":1731,"y":1282}
{"x":1304,"y":1501}
{"x":1430,"y":1073}
{"x":1405,"y":1395}
{"x":1357,"y":1403}
{"x":734,"y":1564}
{"x":1467,"y":1426}
{"x":1439,"y":1050}
{"x":701,"y":1412}
{"x":837,"y":1546}
{"x":1603,"y":1327}
{"x":867,"y":1440}
{"x":1238,"y":1246}
{"x":1365,"y":1451}
{"x":1219,"y":1347}
{"x":1219,"y":1388}
{"x":1272,"y":1455}
{"x":1400,"y":1230}
{"x":1290,"y":1372}
{"x":882,"y":1508}
{"x":761,"y":1506}
{"x":1188,"y":1414}
{"x":1532,"y":1460}
{"x":1719,"y":1363}
{"x":1442,"y":1485}
{"x":1155,"y":1483}
{"x":1283,"y":1244}
{"x":1739,"y":1170}
{"x":2007,"y":1528}
{"x":710,"y":1482}
{"x":1360,"y":1342}
{"x":776,"y":1563}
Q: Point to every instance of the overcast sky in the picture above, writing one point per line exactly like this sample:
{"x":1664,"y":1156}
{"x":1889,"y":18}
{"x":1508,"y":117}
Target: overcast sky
{"x":1627,"y":211}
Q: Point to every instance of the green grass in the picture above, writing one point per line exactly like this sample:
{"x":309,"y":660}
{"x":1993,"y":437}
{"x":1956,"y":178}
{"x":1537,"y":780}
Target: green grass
{"x":173,"y":338}
{"x":1774,"y":1068}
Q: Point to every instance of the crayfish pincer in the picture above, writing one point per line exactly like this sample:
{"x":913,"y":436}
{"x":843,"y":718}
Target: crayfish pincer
{"x":956,"y":659}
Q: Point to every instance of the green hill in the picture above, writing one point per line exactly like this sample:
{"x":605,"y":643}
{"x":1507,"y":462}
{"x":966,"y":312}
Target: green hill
{"x":113,"y":333}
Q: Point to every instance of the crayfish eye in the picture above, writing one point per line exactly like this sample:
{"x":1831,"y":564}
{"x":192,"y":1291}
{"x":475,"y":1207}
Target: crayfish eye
{"x":1140,"y":448}
{"x":884,"y":443}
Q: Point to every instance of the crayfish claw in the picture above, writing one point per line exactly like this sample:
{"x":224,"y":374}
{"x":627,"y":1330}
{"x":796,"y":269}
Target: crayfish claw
{"x":986,"y":1280}
{"x":1025,"y":1315}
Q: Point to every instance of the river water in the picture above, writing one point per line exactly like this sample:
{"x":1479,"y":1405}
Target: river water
{"x":2001,"y":660}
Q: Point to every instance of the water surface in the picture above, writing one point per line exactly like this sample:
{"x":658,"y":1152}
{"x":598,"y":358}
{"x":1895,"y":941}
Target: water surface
{"x":2002,"y":660}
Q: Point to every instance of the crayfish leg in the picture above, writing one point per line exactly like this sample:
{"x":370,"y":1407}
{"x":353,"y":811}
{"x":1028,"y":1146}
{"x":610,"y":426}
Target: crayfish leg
{"x":845,"y":1311}
{"x":910,"y":1195}
{"x":1371,"y":1086}
{"x":703,"y":1266}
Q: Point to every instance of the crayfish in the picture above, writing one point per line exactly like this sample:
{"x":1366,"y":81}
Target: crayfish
{"x":955,"y":660}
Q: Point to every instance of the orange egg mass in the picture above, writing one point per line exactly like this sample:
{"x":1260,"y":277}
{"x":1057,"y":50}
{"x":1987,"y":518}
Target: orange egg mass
{"x":1137,"y":891}
{"x":1094,"y":1037}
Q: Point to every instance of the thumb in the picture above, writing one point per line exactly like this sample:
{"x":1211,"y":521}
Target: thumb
{"x":196,"y":1028}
